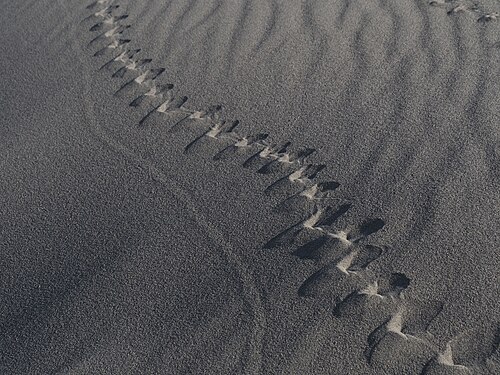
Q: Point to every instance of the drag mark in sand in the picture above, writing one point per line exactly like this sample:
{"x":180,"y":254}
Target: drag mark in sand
{"x":344,"y":279}
{"x":125,"y":63}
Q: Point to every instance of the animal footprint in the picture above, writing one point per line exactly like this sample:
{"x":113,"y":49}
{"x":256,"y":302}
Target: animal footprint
{"x":121,"y":60}
{"x":372,"y":297}
{"x":289,"y":235}
{"x":143,"y":80}
{"x":286,"y":160}
{"x":102,"y":13}
{"x":210,"y":115}
{"x":463,"y":8}
{"x":240,"y":144}
{"x":97,"y":3}
{"x":402,"y":342}
{"x":473,"y":351}
{"x":300,"y":178}
{"x":157,"y":91}
{"x":320,"y":190}
{"x":320,"y":248}
{"x":488,"y":17}
{"x":217,"y":130}
{"x":443,"y":364}
{"x":389,"y":287}
{"x":328,"y":278}
{"x":115,"y":44}
{"x":307,"y":197}
{"x":347,"y":236}
{"x":108,"y":21}
{"x":132,"y":65}
{"x":370,"y":226}
{"x":269,"y":152}
{"x":114,"y":32}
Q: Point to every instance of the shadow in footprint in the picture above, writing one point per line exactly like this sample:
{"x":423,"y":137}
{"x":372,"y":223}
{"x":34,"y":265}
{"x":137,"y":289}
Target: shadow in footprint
{"x":120,"y":60}
{"x":173,"y":105}
{"x":211,"y":115}
{"x":393,"y":285}
{"x":154,"y":93}
{"x":364,"y":256}
{"x":316,"y":249}
{"x":101,"y":14}
{"x":135,"y":66}
{"x":111,"y":21}
{"x":144,"y":78}
{"x":301,"y":176}
{"x":307,"y":198}
{"x":400,"y":344}
{"x":284,"y":162}
{"x":218,"y":129}
{"x":99,"y":2}
{"x":326,"y":281}
{"x":332,"y":215}
{"x":286,"y":237}
{"x":289,"y":235}
{"x":108,"y":48}
{"x":265,"y":155}
{"x":311,"y":250}
{"x":366,"y":229}
{"x":239,"y":146}
{"x":118,"y":30}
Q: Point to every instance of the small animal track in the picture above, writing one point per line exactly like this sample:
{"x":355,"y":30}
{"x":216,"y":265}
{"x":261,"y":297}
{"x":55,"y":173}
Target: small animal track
{"x":155,"y":92}
{"x":342,"y":254}
{"x":454,"y":7}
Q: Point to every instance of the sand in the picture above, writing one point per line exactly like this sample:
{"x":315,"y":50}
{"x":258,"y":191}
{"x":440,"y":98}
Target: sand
{"x":249,"y":187}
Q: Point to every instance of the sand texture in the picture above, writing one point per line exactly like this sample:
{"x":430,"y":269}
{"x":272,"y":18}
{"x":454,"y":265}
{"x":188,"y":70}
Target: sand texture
{"x":250,"y":187}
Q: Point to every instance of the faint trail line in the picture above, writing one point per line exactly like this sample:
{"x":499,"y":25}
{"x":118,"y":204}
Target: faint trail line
{"x":252,"y":295}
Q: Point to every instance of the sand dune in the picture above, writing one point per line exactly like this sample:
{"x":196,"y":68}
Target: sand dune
{"x":297,"y":187}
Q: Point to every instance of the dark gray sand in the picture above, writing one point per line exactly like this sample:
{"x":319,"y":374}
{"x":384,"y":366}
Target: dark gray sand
{"x":249,"y":187}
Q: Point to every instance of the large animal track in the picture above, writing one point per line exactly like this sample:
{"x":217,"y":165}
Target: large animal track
{"x":342,"y":253}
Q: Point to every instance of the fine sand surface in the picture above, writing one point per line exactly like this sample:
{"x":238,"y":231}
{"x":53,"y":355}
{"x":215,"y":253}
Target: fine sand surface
{"x":249,"y":187}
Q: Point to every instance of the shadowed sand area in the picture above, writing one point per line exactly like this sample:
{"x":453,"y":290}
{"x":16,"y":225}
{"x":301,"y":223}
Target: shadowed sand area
{"x":249,"y":186}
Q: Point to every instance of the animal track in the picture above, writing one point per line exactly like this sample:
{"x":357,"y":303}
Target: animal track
{"x":98,"y":3}
{"x":102,"y":14}
{"x":302,"y":177}
{"x":308,"y":197}
{"x":286,"y":160}
{"x":352,"y":263}
{"x":493,"y":16}
{"x":116,"y":44}
{"x":454,"y":7}
{"x":119,"y":61}
{"x":211,"y":114}
{"x":220,"y":129}
{"x":173,"y":104}
{"x":134,"y":65}
{"x":145,"y":79}
{"x":383,"y":289}
{"x":267,"y":152}
{"x":242,"y":143}
{"x":114,"y":32}
{"x":111,"y":20}
{"x":473,"y":351}
{"x":401,"y":338}
{"x":342,"y":255}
